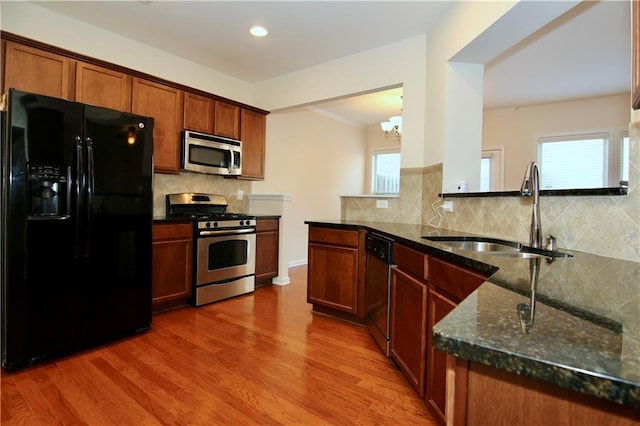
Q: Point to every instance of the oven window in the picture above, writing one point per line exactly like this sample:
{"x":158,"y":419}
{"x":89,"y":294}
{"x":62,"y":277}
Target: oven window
{"x":208,"y":156}
{"x":228,"y":253}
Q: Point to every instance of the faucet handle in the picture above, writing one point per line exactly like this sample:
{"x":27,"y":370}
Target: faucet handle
{"x":550,"y":243}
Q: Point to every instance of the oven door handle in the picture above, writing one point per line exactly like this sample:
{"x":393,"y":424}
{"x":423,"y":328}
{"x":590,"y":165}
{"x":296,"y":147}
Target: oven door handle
{"x":227,"y":232}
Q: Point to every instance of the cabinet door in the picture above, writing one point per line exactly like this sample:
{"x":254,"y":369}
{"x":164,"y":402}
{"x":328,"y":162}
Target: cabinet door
{"x":103,"y":87}
{"x":635,"y":5}
{"x":172,"y":265}
{"x":436,"y":389}
{"x":333,"y":277}
{"x":253,"y":132}
{"x":33,"y":70}
{"x":408,"y":337}
{"x":164,"y":104}
{"x":198,"y":113}
{"x":226,"y":120}
{"x":267,"y":244}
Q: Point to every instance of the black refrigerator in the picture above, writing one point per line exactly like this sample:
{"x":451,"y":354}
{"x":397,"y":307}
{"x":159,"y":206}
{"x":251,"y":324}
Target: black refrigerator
{"x":77,"y":212}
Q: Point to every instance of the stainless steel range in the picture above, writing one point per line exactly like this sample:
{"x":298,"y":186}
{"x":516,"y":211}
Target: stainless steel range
{"x":224,"y":246}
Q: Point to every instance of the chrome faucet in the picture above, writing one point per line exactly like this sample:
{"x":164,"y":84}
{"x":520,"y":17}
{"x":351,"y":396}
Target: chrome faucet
{"x":531,"y":187}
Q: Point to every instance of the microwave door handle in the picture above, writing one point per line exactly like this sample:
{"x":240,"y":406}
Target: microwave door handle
{"x":231,"y":160}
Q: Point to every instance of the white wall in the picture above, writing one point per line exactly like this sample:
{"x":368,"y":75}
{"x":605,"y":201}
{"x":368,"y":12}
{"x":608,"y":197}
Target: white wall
{"x":517,"y":129}
{"x":401,"y":63}
{"x":471,"y":33}
{"x":314,"y":159}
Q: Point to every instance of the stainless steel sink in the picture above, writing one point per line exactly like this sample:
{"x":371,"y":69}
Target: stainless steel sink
{"x":494,"y":247}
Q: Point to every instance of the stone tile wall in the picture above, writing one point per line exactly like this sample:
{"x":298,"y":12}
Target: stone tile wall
{"x":603,"y":225}
{"x":196,"y":182}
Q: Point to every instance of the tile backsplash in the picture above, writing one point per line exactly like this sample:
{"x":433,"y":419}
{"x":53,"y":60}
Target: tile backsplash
{"x":164,"y":184}
{"x":603,"y":225}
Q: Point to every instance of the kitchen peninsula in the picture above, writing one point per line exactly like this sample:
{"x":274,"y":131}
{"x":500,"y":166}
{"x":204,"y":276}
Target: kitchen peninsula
{"x":577,"y":333}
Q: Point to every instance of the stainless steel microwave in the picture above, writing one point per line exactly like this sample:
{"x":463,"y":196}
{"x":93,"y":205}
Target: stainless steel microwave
{"x":215,"y":155}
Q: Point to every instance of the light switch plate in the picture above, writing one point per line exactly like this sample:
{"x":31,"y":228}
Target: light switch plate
{"x":382,"y":204}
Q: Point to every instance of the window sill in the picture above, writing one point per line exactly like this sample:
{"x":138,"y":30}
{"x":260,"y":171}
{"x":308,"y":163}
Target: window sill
{"x":547,"y":193}
{"x":371,"y":196}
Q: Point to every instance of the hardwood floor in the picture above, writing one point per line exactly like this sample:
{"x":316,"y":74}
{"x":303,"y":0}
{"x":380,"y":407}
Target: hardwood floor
{"x":261,"y":359}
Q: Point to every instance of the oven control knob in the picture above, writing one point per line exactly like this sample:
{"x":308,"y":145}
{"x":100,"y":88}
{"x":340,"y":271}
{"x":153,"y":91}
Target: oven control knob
{"x":207,"y":225}
{"x":241,"y":222}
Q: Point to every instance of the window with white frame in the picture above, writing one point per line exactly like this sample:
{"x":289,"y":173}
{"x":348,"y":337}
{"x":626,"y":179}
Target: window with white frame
{"x":624,"y":157}
{"x":385,"y":172}
{"x":580,"y":161}
{"x":491,"y":170}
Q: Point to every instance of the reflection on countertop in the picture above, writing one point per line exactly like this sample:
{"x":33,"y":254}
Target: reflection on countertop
{"x":586,"y":335}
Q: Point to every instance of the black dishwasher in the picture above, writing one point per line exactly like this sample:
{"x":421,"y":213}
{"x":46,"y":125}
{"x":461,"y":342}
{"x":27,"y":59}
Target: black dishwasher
{"x":378,"y":288}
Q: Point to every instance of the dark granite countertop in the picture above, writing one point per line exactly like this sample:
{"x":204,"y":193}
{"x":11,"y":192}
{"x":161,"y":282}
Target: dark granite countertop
{"x":584,"y":333}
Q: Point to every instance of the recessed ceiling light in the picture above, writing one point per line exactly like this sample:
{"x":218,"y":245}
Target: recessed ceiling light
{"x":258,"y":31}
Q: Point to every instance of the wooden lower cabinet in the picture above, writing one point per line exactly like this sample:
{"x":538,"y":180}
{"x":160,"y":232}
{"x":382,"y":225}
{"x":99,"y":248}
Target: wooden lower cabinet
{"x":408,"y":334}
{"x":449,"y":284}
{"x":484,"y":395}
{"x":336,"y":271}
{"x":172,"y":265}
{"x":438,"y":307}
{"x":267,"y":245}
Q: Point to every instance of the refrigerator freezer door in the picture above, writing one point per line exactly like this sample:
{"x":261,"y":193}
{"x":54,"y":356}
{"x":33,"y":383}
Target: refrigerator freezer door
{"x":117,"y":266}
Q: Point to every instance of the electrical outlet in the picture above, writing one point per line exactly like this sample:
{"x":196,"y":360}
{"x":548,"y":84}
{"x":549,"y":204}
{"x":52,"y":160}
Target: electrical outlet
{"x":240,"y":194}
{"x":447,"y":206}
{"x":382,"y":204}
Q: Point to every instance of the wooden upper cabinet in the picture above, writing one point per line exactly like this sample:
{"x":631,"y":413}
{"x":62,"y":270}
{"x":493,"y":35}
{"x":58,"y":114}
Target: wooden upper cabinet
{"x":164,"y":104}
{"x":37,"y":71}
{"x":635,"y":5}
{"x":103,"y":87}
{"x":226,"y":120}
{"x":198,"y":113}
{"x":252,"y":135}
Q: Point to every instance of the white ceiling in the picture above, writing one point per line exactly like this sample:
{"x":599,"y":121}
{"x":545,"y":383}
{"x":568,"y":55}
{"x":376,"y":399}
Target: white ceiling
{"x":585,"y":53}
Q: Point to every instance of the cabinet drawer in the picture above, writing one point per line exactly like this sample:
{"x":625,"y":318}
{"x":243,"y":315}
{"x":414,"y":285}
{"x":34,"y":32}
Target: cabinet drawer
{"x":263,"y":225}
{"x":172,"y":231}
{"x":334,"y":236}
{"x":411,"y":261}
{"x":454,"y":280}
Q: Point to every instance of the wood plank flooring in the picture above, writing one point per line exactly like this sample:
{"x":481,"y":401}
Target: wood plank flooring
{"x":262,"y":359}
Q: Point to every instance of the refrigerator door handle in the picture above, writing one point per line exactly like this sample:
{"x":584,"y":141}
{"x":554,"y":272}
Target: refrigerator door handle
{"x":89,"y":178}
{"x":69,"y":189}
{"x":79,"y":188}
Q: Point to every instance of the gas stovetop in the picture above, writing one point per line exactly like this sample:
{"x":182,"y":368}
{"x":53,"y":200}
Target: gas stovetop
{"x":208,"y":210}
{"x":211,"y":216}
